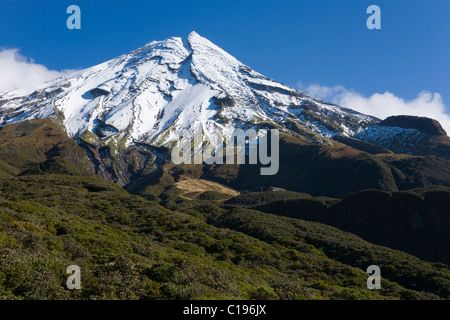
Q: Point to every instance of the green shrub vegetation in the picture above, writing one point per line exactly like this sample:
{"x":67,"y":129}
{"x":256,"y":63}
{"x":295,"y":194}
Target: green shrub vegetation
{"x":132,"y":248}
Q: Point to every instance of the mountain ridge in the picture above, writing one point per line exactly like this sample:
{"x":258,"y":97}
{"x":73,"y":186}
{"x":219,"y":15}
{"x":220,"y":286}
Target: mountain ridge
{"x":154,"y":76}
{"x":126,"y":113}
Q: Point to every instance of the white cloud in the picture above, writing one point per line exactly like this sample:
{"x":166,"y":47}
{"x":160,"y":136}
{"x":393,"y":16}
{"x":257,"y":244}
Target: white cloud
{"x":18,"y":72}
{"x":383,"y":105}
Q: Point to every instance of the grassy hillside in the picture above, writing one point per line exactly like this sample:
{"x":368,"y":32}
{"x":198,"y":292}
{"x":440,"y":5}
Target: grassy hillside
{"x":130,"y":248}
{"x":40,"y":146}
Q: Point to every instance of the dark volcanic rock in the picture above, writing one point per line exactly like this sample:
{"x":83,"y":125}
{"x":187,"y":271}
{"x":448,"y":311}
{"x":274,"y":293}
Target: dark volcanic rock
{"x":426,"y":125}
{"x":98,"y":92}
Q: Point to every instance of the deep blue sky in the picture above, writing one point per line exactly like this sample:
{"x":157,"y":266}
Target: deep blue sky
{"x":314,"y":41}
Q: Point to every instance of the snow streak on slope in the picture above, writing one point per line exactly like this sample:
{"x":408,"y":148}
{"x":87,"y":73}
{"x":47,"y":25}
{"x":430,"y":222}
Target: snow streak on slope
{"x":400,"y":140}
{"x":163,"y":90}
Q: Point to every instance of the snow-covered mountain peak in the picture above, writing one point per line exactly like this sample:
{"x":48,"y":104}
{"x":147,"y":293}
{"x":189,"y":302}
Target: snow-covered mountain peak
{"x":164,"y":89}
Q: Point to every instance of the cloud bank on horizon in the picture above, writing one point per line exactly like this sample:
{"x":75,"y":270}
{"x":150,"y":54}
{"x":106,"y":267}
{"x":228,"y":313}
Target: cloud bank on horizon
{"x":22,"y":74}
{"x":383,"y":105}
